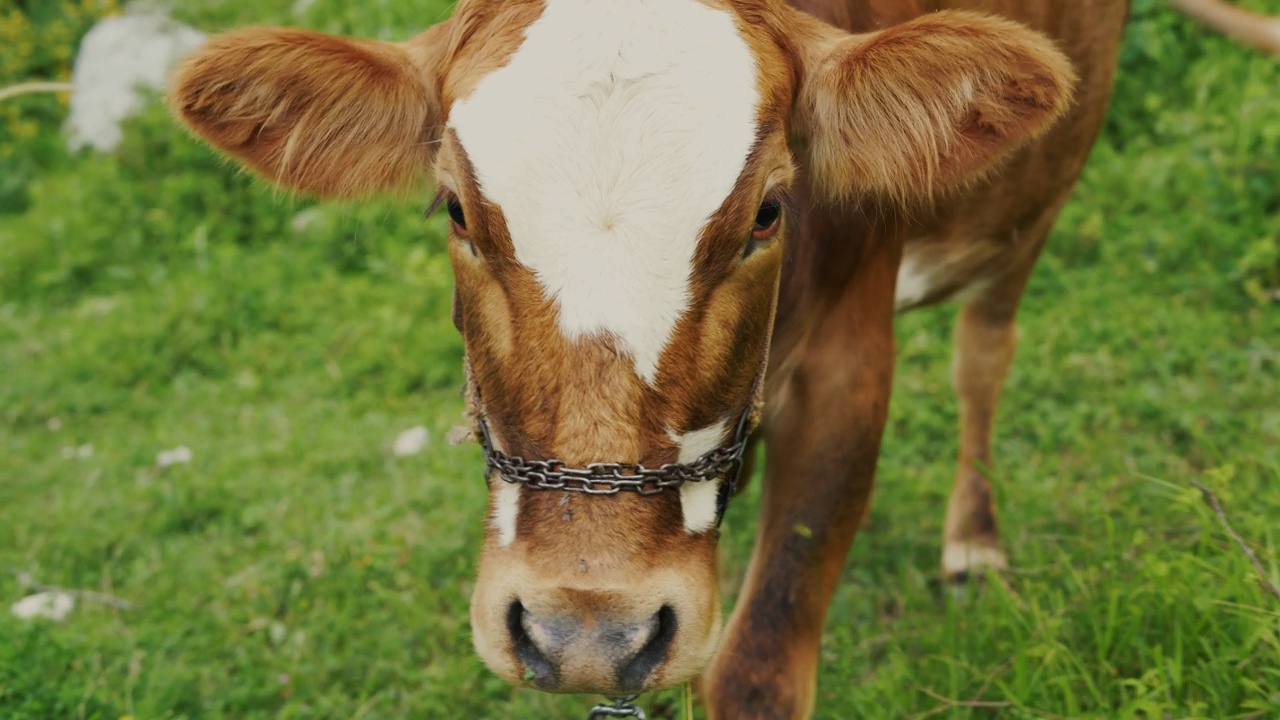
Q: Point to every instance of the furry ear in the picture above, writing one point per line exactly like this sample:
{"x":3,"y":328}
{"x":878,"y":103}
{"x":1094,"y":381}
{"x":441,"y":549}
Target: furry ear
{"x":316,"y":113}
{"x":924,"y":106}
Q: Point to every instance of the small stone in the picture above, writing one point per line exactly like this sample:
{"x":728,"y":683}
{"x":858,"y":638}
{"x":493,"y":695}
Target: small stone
{"x":411,"y":442}
{"x":52,"y":605}
{"x":180,"y":455}
{"x":83,"y":452}
{"x":277,"y":632}
{"x":305,"y":220}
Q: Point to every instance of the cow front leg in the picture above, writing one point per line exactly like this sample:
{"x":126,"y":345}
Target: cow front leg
{"x":823,"y":439}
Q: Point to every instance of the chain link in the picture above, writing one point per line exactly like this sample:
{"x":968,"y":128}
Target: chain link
{"x":612,"y":478}
{"x":619,"y":707}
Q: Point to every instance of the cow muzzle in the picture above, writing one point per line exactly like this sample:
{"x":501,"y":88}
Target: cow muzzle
{"x":608,"y":640}
{"x":593,"y":647}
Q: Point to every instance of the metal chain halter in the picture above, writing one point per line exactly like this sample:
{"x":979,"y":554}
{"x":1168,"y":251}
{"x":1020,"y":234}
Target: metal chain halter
{"x":610,"y":478}
{"x":617,"y":707}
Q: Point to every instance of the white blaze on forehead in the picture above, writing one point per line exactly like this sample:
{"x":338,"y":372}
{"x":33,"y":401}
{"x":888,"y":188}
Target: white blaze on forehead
{"x":609,"y":139}
{"x":698,"y":499}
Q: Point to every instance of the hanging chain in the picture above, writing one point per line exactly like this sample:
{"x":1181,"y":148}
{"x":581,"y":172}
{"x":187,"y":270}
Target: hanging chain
{"x":609,"y":478}
{"x":617,"y":708}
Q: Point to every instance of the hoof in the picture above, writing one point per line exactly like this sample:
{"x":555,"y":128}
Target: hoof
{"x":963,"y":562}
{"x":962,"y":588}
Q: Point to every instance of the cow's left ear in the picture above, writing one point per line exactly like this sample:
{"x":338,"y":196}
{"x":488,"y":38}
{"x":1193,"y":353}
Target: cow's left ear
{"x":924,"y":106}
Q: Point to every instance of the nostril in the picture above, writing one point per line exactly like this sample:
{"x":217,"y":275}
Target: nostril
{"x":631,"y":676}
{"x":538,"y":668}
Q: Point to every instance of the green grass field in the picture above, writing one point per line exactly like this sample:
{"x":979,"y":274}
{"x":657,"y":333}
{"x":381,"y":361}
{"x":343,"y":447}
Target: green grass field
{"x":296,"y":569}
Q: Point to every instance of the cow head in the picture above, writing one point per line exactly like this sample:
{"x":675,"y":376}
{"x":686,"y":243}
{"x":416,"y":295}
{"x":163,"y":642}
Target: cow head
{"x":617,"y":176}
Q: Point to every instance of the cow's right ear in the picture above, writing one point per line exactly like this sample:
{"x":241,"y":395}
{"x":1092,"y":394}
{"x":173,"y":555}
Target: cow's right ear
{"x":315,"y":113}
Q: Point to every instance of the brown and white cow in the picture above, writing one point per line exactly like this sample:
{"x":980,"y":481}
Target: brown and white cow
{"x":651,"y":199}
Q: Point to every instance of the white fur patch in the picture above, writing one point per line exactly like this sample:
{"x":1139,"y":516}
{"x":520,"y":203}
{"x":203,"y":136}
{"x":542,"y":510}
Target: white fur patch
{"x":506,"y":505}
{"x":919,"y":275}
{"x":506,"y":502}
{"x":913,"y":283}
{"x":964,"y":557}
{"x":698,"y":499}
{"x":612,"y":135}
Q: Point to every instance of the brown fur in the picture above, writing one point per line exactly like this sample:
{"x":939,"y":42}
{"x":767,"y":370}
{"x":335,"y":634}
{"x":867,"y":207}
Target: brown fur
{"x":822,"y":474}
{"x":486,"y":35}
{"x":314,"y":113}
{"x":927,"y":105}
{"x":870,"y":109}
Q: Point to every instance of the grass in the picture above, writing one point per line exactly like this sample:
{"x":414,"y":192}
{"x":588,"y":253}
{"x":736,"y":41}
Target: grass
{"x":296,"y":569}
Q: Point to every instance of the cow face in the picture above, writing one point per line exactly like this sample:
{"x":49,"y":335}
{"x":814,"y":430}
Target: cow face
{"x":617,"y":176}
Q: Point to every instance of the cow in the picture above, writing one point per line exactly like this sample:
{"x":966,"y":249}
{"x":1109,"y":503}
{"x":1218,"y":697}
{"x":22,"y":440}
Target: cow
{"x":680,"y":228}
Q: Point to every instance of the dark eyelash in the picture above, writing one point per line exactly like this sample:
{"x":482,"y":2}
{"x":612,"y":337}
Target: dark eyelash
{"x":436,"y":202}
{"x":786,"y":201}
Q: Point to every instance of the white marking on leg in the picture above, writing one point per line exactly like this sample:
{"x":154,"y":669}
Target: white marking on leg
{"x":698,"y":499}
{"x":961,"y":557}
{"x":609,"y":139}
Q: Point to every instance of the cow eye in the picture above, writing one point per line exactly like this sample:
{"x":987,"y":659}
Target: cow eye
{"x":768,"y":220}
{"x":456,"y":216}
{"x":767,"y":217}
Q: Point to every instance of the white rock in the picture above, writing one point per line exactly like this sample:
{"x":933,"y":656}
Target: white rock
{"x":305,"y":220}
{"x":54,"y":606}
{"x":411,"y":441}
{"x":84,"y":452}
{"x":119,"y":55}
{"x":278,"y":632}
{"x":180,"y":455}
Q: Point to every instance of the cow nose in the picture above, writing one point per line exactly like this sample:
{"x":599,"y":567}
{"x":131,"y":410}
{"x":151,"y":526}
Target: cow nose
{"x":588,"y":651}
